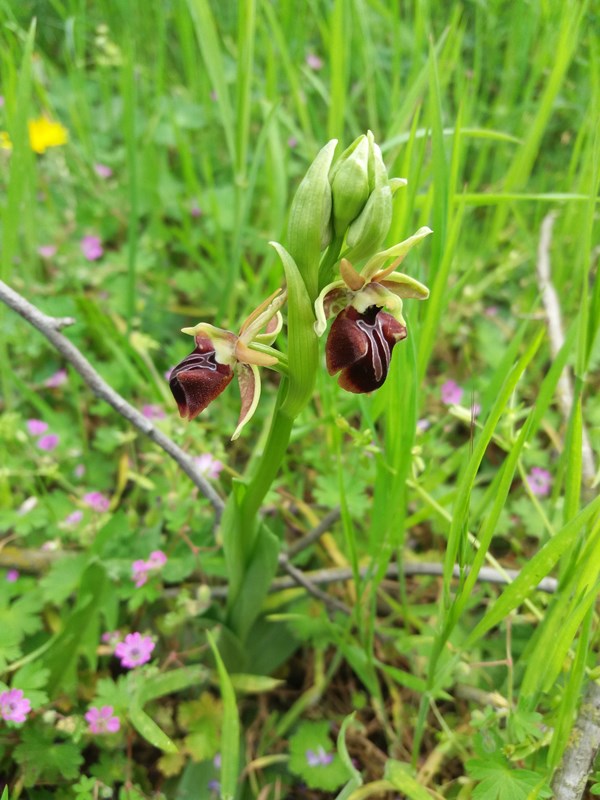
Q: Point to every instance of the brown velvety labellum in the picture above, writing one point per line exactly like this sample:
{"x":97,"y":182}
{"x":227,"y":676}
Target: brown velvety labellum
{"x":360,"y":345}
{"x":198,"y":379}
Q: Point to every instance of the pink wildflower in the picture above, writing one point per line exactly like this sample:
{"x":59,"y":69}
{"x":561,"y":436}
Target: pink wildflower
{"x":79,"y":471}
{"x":135,"y":650}
{"x":91,"y":247}
{"x":47,"y":250}
{"x":97,"y":501}
{"x":140,"y":568}
{"x":208,"y":466}
{"x":292,"y":142}
{"x":314,"y":62}
{"x":139,"y":572}
{"x":13,"y":706}
{"x":451,"y":393}
{"x":539,"y":481}
{"x":157,"y":559}
{"x":48,"y":442}
{"x":74,"y":518}
{"x":101,"y":720}
{"x":153,"y":411}
{"x":195,"y":210}
{"x":423,"y":425}
{"x":36,"y":427}
{"x":12,"y":575}
{"x":111,"y":637}
{"x":57,"y":379}
{"x":103,"y":171}
{"x":319,"y":758}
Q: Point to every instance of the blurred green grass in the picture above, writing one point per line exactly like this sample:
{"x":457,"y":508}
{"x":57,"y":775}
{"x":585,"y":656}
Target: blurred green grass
{"x":490,"y":110}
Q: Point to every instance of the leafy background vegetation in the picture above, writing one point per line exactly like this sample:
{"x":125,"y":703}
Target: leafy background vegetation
{"x":207,"y":116}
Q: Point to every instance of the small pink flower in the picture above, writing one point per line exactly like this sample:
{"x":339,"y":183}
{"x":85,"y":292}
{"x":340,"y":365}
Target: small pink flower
{"x":36,"y":427}
{"x":13,"y":706}
{"x":208,"y":466}
{"x":423,"y":425}
{"x":48,"y":442}
{"x":47,"y":250}
{"x":195,"y":210}
{"x":135,"y":650}
{"x":153,"y":411}
{"x":101,"y":720}
{"x":57,"y":379}
{"x":12,"y":575}
{"x":491,"y":311}
{"x":539,"y":481}
{"x":314,"y":62}
{"x":111,"y":637}
{"x":318,"y":758}
{"x":157,"y":559}
{"x":91,"y":247}
{"x":97,"y":501}
{"x":292,"y":142}
{"x":451,"y":393}
{"x":139,"y":572}
{"x":74,"y":518}
{"x":79,"y":471}
{"x":141,"y":568}
{"x":102,"y":171}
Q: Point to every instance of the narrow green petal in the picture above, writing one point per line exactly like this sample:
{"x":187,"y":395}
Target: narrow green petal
{"x":399,"y":250}
{"x":249,"y":383}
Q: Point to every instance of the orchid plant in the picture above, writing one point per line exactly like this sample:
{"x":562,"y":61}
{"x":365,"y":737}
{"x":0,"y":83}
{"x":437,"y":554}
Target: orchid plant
{"x":333,"y":264}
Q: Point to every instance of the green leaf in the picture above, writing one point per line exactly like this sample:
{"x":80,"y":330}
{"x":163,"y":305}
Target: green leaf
{"x":356,"y":780}
{"x":399,"y":775}
{"x":41,"y":757}
{"x":499,"y":780}
{"x":147,"y":728}
{"x":303,"y":348}
{"x":31,"y":678}
{"x":534,"y":570}
{"x":230,"y":734}
{"x":312,"y":738}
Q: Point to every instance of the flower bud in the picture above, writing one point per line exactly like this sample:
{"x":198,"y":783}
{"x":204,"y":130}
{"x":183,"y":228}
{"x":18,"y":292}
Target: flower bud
{"x":368,"y":231}
{"x":350,"y":184}
{"x":309,"y":227}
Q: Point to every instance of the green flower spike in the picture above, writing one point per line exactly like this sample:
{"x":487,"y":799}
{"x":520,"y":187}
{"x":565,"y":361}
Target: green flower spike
{"x":219,"y":354}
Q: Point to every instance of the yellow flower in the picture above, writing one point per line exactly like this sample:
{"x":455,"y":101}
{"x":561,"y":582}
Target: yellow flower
{"x":44,"y":133}
{"x":5,"y":142}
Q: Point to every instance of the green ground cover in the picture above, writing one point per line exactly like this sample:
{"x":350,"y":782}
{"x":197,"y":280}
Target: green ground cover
{"x":149,"y":152}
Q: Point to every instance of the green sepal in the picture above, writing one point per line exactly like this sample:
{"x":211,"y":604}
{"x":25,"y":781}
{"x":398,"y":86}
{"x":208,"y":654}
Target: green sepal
{"x":309,"y":224}
{"x":303,"y":350}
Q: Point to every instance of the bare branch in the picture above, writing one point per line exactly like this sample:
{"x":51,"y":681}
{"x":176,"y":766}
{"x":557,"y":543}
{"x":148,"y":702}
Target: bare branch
{"x":557,"y":339}
{"x":571,"y":777}
{"x":50,"y":328}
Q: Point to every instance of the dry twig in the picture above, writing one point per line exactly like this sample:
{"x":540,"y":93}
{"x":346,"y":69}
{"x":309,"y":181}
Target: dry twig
{"x":50,"y":328}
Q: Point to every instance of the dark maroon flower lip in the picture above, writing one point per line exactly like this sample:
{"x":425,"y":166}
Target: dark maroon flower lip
{"x":360,"y":346}
{"x":198,"y":379}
